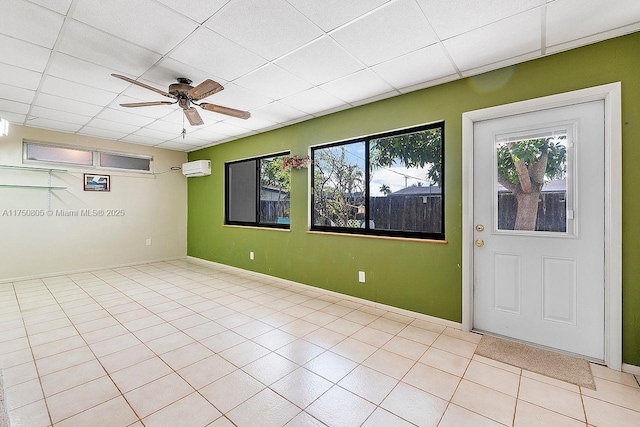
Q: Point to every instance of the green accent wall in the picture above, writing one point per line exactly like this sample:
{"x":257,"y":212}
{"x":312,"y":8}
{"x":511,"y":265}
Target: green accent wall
{"x":421,"y":276}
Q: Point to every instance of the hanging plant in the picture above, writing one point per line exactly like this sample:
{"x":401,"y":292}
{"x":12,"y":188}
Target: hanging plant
{"x":296,"y":162}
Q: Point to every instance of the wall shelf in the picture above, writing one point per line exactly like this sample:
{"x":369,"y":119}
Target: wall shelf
{"x":27,"y":168}
{"x":47,"y":187}
{"x":36,"y":187}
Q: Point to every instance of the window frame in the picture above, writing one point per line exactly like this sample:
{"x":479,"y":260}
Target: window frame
{"x":366,"y":230}
{"x":257,"y":222}
{"x":95,"y":156}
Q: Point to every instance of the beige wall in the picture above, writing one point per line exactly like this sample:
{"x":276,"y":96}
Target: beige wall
{"x":155,"y":207}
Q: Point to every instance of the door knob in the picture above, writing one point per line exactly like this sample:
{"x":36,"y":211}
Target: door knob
{"x":479,"y":243}
{"x":479,"y":227}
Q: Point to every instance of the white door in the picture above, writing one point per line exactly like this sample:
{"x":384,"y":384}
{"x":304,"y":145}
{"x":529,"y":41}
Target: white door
{"x":539,"y":256}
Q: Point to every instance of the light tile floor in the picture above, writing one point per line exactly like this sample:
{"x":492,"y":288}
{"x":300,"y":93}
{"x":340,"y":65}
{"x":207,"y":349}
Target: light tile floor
{"x":182,"y":344}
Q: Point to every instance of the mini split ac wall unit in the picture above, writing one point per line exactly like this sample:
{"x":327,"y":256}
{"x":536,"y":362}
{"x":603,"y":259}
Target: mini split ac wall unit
{"x":197,"y":168}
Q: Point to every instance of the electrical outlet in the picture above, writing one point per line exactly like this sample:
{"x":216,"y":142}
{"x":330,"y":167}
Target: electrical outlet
{"x":148,"y":242}
{"x":361,"y":276}
{"x":251,"y":256}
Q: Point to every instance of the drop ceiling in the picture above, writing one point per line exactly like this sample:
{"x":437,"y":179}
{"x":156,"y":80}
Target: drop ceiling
{"x":285,"y":61}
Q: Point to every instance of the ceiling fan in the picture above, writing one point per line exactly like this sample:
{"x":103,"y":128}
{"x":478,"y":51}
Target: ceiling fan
{"x":185,"y":96}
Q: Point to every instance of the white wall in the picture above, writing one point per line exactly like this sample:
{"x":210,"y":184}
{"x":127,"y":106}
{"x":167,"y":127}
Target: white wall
{"x":155,"y":207}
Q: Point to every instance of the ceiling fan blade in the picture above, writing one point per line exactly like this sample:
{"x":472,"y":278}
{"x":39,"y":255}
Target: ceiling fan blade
{"x":147,"y":104}
{"x":226,"y":110}
{"x":204,"y":89}
{"x":137,"y":83}
{"x":193,"y":116}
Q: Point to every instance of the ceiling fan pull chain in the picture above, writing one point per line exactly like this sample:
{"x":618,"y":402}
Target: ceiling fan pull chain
{"x":184,"y":130}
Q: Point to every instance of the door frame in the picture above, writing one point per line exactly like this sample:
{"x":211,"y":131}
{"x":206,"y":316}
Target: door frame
{"x":611,"y":94}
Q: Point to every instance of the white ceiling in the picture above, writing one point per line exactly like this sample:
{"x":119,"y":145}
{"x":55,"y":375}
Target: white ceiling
{"x":283,"y":60}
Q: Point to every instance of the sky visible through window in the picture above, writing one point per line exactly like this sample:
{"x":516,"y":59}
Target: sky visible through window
{"x":395,"y":177}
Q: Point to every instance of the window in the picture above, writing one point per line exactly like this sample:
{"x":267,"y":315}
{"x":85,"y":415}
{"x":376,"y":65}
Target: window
{"x":55,"y":154}
{"x":35,"y":152}
{"x":123,"y":161}
{"x":389,"y":184}
{"x":257,"y":192}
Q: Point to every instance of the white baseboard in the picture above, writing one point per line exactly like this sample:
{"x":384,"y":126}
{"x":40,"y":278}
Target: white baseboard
{"x":631,"y":369}
{"x":397,"y":310}
{"x":86,"y":270}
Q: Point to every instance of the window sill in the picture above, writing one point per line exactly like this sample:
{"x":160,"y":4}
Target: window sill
{"x":251,"y":227}
{"x":369,"y":236}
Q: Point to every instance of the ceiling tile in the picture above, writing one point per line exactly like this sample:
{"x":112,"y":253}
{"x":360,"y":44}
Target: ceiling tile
{"x":68,"y":105}
{"x":176,"y":146}
{"x":176,"y":117}
{"x":452,"y":17}
{"x":61,"y":116}
{"x":19,"y":77}
{"x":269,"y":28}
{"x":44,"y":25}
{"x":212,"y":53}
{"x":279,"y":113}
{"x":226,"y":129}
{"x":431,"y":83}
{"x":18,"y":94}
{"x":12,"y":117}
{"x":60,"y":6}
{"x":13,"y":106}
{"x":254,"y":123}
{"x":168,"y":70}
{"x":114,"y":126}
{"x":54,"y":125}
{"x":587,"y":17}
{"x":496,"y":42}
{"x":273,"y":82}
{"x":72,"y":90}
{"x":74,"y":69}
{"x":330,"y":14}
{"x":142,"y":22}
{"x":22,"y":54}
{"x":138,"y":139}
{"x":150,"y":133}
{"x":87,"y":43}
{"x":361,"y":85}
{"x":389,"y":32}
{"x":375,"y":98}
{"x":124,"y":117}
{"x":205,"y":134}
{"x":239,"y":98}
{"x":198,"y":10}
{"x":422,"y":65}
{"x":320,"y":62}
{"x":189,"y":140}
{"x":164,"y":126}
{"x":313,"y":101}
{"x":102,"y":133}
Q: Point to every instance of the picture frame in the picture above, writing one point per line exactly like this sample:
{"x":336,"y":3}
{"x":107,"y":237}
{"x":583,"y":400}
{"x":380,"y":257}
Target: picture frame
{"x":93,"y":182}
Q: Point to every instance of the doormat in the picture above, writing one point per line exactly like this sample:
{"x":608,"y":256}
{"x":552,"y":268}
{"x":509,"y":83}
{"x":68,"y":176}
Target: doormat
{"x":559,"y":366}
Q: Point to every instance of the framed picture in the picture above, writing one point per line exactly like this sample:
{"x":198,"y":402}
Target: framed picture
{"x":96,"y":182}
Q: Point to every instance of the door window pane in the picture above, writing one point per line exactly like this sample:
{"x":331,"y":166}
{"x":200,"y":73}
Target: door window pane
{"x":532,"y":178}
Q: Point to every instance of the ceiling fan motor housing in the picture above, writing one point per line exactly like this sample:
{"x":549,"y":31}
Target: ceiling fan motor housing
{"x":181,"y":88}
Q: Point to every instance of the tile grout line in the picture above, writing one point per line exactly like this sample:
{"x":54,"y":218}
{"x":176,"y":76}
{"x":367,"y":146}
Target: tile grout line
{"x":33,"y":357}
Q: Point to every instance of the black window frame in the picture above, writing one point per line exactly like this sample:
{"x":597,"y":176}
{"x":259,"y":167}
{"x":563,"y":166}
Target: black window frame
{"x":257,"y":222}
{"x":366,"y":230}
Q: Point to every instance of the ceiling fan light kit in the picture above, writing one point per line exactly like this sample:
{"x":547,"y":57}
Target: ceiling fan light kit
{"x":185,"y":96}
